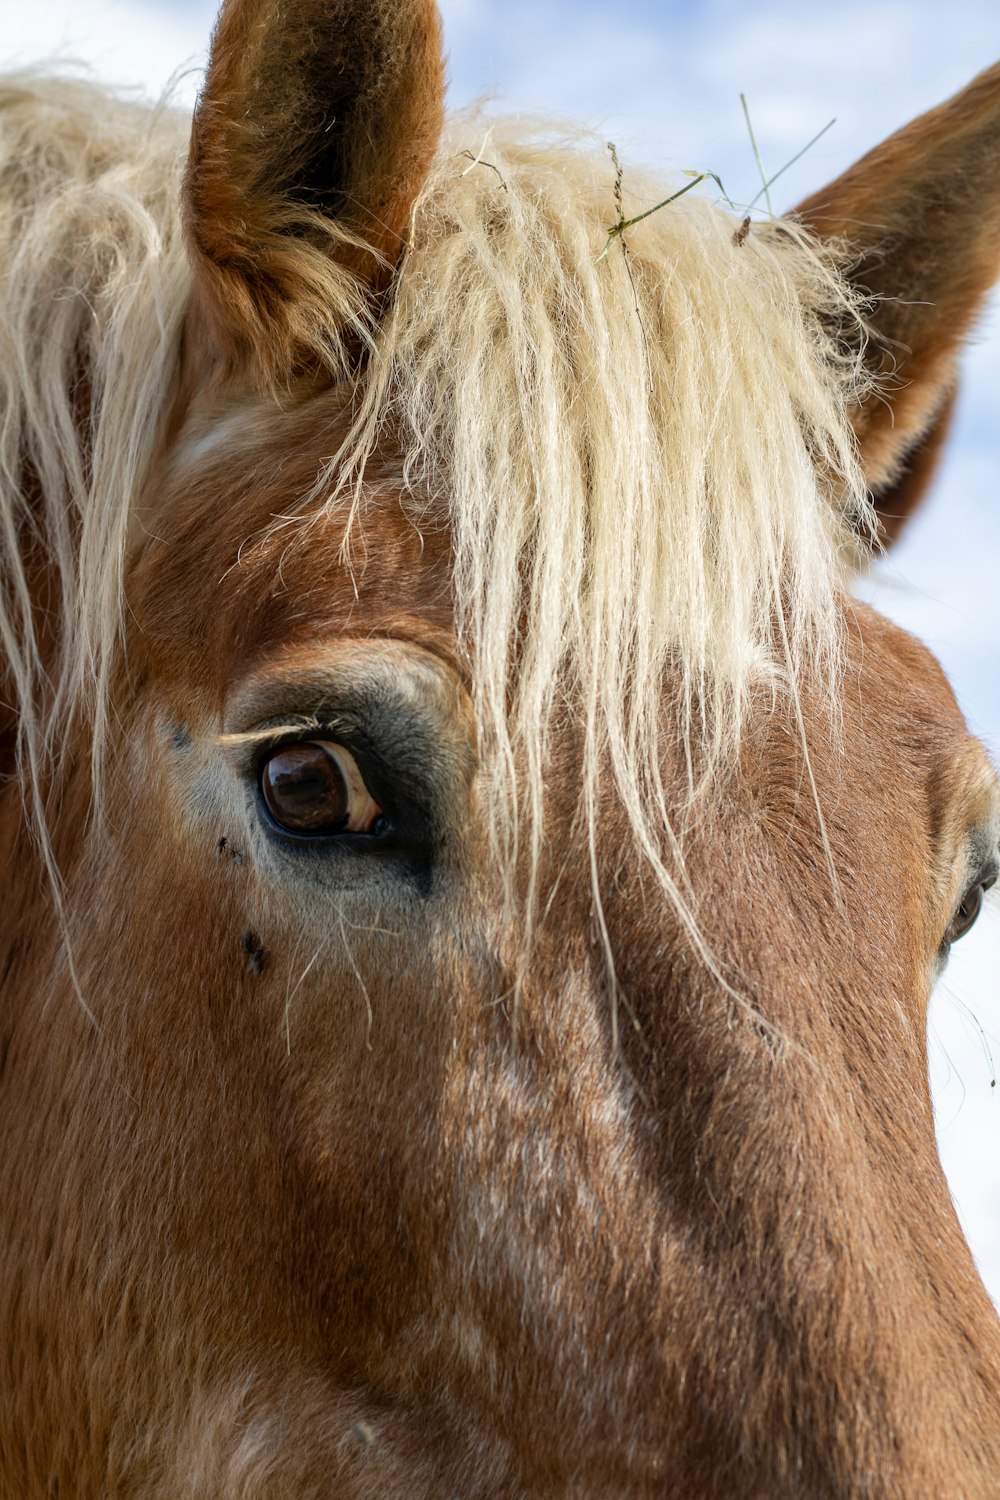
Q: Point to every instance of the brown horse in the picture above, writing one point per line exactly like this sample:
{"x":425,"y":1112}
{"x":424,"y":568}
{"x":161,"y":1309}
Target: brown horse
{"x":473,"y":878}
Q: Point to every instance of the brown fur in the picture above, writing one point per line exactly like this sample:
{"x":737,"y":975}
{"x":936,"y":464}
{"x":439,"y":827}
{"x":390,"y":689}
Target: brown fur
{"x":383,"y":1214}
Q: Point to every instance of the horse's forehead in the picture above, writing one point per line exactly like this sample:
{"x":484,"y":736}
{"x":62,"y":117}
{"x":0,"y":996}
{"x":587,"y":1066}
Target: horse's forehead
{"x":239,"y":545}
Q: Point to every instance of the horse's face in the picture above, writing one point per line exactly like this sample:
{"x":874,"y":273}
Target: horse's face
{"x":496,"y":1209}
{"x":349,"y":1180}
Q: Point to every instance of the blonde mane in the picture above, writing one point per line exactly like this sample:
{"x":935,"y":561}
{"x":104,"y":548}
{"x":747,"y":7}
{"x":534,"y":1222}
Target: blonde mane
{"x":645,"y":459}
{"x":95,"y":283}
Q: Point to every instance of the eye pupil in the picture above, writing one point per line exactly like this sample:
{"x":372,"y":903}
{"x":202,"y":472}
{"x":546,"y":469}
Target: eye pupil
{"x":305,"y":789}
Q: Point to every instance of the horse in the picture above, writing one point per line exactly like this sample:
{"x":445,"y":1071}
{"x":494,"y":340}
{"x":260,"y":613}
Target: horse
{"x":473,"y":875}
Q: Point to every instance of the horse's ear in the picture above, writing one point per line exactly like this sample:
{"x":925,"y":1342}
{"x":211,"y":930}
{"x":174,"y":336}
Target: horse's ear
{"x":312,"y":137}
{"x":922,"y":213}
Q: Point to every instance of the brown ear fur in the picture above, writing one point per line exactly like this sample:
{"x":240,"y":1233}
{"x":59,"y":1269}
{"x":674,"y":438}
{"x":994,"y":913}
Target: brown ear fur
{"x":922,"y":212}
{"x":312,"y":137}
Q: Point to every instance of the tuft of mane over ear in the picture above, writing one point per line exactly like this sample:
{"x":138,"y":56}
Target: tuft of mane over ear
{"x":312,"y":138}
{"x":921,"y":216}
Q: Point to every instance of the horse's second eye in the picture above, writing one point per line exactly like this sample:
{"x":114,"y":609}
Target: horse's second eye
{"x":314,"y":787}
{"x":969,"y":909}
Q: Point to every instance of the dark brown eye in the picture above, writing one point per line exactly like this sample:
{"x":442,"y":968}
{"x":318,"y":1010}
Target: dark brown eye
{"x":969,"y":909}
{"x":315,"y":787}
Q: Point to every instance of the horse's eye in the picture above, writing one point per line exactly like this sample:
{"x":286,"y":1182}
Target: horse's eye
{"x":314,"y":787}
{"x":970,"y":907}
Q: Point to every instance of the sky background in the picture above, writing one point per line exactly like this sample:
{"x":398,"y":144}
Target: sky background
{"x":664,"y":83}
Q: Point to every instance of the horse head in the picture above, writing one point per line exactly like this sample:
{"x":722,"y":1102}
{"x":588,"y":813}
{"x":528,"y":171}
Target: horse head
{"x":474,"y":877}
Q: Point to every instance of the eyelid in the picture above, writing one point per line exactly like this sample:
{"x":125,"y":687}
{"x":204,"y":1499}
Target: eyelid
{"x":245,"y":747}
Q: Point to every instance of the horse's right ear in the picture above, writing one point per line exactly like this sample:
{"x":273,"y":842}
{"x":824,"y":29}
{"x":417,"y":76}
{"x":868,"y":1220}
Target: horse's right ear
{"x":312,"y":138}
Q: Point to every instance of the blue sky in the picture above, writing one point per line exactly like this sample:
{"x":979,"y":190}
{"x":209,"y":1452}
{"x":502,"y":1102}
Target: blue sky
{"x":664,"y":82}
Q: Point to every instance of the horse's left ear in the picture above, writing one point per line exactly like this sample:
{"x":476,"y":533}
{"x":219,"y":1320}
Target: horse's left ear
{"x":922,"y":211}
{"x":312,"y":137}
